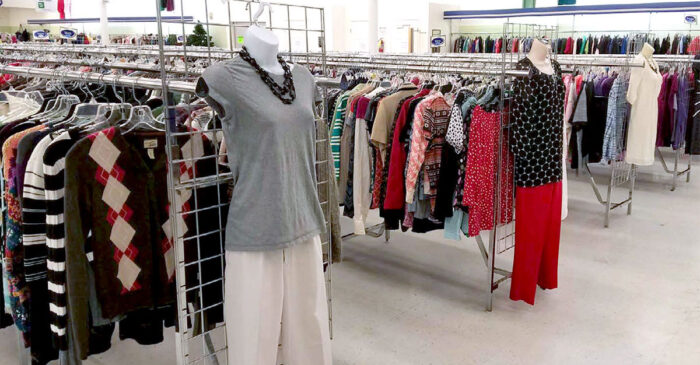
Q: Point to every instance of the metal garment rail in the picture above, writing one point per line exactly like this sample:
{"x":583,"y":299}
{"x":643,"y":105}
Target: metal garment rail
{"x":96,"y":63}
{"x":501,"y":236}
{"x":136,"y":50}
{"x":129,"y":81}
{"x":675,"y":173}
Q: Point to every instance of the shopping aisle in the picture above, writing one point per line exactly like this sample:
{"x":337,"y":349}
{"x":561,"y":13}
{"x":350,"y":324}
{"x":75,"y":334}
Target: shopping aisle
{"x":628,"y":294}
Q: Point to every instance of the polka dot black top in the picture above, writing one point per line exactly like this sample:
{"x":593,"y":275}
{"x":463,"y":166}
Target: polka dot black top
{"x":537,"y":116}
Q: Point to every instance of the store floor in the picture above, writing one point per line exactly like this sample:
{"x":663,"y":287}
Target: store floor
{"x":628,"y":294}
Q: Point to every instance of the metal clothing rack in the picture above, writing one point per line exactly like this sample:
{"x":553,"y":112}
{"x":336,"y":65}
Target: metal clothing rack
{"x":207,"y":346}
{"x":210,"y":346}
{"x":675,"y":173}
{"x":502,"y":237}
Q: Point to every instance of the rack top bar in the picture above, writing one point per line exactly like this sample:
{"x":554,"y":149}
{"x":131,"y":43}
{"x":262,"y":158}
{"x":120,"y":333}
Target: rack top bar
{"x":122,"y":19}
{"x":678,"y":6}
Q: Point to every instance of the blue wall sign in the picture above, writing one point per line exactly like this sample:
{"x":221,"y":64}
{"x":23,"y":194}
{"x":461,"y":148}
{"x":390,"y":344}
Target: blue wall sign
{"x":438,"y":41}
{"x":40,"y":35}
{"x":68,"y":33}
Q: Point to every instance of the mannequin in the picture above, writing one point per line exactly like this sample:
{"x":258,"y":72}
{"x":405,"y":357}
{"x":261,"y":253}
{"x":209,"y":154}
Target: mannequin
{"x":648,"y":52}
{"x":263,"y":45}
{"x":275,"y":288}
{"x":539,"y":55}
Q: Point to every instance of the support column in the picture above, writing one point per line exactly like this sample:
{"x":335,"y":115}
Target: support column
{"x":104,"y":23}
{"x":373,"y":26}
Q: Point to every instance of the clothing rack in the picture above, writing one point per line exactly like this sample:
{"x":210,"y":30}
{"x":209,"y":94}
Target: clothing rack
{"x":116,"y":80}
{"x":621,"y":9}
{"x":211,"y":347}
{"x":501,"y":236}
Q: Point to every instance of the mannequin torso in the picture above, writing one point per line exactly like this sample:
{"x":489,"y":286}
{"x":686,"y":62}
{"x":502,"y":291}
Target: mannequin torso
{"x":538,"y":55}
{"x":263,"y":46}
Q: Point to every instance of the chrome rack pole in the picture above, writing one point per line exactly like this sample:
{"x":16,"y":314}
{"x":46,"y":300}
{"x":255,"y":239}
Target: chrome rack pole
{"x":180,"y":277}
{"x":675,"y":173}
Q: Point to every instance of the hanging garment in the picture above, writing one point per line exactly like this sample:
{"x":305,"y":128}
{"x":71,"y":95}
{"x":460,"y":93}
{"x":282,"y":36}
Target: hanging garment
{"x":570,"y":104}
{"x":427,"y":140}
{"x":362,"y":197}
{"x":283,"y":316}
{"x":537,"y":234}
{"x":53,"y":171}
{"x":663,"y":113}
{"x":644,"y":86}
{"x":569,"y":46}
{"x":613,"y":140}
{"x":337,"y":131}
{"x":14,"y":274}
{"x":110,"y":175}
{"x":386,"y":111}
{"x":683,"y":101}
{"x":35,"y":250}
{"x":666,"y":128}
{"x":593,"y":133}
{"x":482,"y":164}
{"x":395,"y":193}
{"x":693,"y":131}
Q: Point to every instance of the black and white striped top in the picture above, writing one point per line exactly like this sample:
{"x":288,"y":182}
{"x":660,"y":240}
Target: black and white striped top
{"x":34,"y":214}
{"x":53,"y":166}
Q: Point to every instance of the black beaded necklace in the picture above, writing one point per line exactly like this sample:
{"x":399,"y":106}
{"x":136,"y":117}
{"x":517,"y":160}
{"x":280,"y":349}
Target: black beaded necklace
{"x":286,"y":91}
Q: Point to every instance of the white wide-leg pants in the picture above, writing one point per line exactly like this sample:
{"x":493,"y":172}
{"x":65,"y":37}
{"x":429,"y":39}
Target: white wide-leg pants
{"x":277,"y":298}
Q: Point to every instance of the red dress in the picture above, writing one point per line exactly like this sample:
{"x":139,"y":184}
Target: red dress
{"x":480,"y":175}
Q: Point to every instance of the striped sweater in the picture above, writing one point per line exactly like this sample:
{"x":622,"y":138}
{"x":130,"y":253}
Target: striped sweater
{"x":337,"y":130}
{"x":34,"y":241}
{"x":53,"y":166}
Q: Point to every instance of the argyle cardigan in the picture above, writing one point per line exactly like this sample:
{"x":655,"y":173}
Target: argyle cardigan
{"x":116,"y":201}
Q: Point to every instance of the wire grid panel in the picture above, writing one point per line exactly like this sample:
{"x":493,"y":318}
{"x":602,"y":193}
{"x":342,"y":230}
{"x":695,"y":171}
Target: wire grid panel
{"x":504,"y":236}
{"x":622,"y":172}
{"x":198,"y":169}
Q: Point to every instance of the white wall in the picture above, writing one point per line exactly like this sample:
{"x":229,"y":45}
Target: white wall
{"x":19,"y":3}
{"x":346,"y":20}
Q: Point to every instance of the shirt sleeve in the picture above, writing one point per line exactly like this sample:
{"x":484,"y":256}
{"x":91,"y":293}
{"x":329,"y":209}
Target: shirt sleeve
{"x":34,"y":217}
{"x":520,"y":137}
{"x":455,"y":130}
{"x":633,"y":89}
{"x":419,"y":143}
{"x":77,"y":201}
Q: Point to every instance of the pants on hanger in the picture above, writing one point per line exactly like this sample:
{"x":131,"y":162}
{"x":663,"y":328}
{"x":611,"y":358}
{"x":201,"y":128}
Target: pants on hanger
{"x":537,"y":230}
{"x":277,"y":297}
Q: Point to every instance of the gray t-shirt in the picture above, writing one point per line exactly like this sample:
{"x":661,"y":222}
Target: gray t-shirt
{"x":271,"y":153}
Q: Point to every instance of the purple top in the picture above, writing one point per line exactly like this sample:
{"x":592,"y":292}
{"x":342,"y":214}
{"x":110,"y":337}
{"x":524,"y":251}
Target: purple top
{"x":684,"y":85}
{"x":607,"y":84}
{"x":662,"y":110}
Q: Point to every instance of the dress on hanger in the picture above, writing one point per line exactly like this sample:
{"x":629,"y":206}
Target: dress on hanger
{"x":643,"y":92}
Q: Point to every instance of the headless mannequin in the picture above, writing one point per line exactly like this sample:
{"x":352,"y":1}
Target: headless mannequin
{"x":538,"y":55}
{"x":263,"y":46}
{"x":648,"y":52}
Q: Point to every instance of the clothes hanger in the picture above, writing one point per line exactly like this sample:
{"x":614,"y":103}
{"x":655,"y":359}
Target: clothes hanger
{"x":140,"y":118}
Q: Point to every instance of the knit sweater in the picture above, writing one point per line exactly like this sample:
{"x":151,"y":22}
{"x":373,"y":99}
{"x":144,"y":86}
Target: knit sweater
{"x":114,"y":191}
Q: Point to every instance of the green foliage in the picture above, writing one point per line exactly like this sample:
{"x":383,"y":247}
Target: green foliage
{"x":172,"y":40}
{"x":199,"y":37}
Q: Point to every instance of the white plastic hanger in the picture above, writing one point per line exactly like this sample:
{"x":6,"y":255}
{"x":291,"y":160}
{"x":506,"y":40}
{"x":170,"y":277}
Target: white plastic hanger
{"x":260,"y":10}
